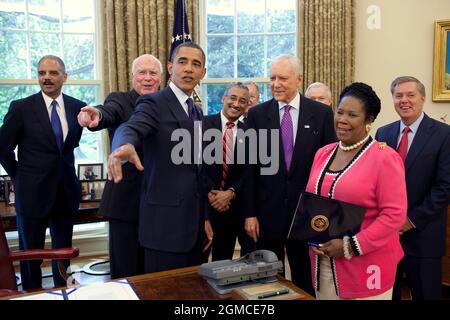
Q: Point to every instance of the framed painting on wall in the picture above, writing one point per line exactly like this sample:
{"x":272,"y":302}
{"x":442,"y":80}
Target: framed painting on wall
{"x":441,"y":69}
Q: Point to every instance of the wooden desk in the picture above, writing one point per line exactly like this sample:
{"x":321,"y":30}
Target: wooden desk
{"x":185,"y":284}
{"x":87,"y":213}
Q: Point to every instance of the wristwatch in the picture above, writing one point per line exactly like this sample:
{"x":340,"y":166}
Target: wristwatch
{"x":232,"y":190}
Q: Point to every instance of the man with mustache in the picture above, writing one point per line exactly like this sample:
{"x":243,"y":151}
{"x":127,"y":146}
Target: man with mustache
{"x":225,"y":181}
{"x":126,"y":255}
{"x":45,"y":129}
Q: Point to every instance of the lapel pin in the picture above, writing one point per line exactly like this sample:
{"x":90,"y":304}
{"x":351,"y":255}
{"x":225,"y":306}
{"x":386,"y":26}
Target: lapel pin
{"x":241,"y":141}
{"x":307,"y":126}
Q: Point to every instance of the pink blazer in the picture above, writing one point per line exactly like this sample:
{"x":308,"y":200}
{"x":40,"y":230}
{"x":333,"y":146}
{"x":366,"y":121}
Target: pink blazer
{"x":376,"y":181}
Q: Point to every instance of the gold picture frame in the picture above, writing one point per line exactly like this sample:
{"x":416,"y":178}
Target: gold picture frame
{"x":441,"y":68}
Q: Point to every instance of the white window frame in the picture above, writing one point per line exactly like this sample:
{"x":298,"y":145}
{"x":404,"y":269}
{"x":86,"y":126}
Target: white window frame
{"x":235,"y":35}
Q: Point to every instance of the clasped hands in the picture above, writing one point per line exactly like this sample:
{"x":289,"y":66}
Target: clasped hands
{"x":220,"y":200}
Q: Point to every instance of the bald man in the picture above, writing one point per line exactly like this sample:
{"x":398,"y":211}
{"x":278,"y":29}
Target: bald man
{"x":320,"y":92}
{"x":120,"y":202}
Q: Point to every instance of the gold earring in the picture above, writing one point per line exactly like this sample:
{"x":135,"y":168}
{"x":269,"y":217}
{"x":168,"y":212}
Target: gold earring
{"x":368,"y":127}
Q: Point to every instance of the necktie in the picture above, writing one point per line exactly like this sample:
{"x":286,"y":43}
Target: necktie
{"x":287,"y":136}
{"x":56,"y":125}
{"x":402,"y":148}
{"x":228,"y":156}
{"x":194,"y":114}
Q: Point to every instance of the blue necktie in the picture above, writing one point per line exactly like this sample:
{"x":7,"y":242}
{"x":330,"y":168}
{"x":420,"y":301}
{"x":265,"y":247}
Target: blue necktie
{"x":194,"y":114}
{"x":56,"y":126}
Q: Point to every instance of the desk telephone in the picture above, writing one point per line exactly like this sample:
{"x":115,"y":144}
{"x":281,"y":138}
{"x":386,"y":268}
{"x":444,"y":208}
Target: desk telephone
{"x":225,"y":275}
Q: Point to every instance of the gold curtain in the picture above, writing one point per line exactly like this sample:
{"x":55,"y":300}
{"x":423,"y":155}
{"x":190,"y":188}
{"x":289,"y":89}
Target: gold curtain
{"x":326,"y":43}
{"x":132,"y":28}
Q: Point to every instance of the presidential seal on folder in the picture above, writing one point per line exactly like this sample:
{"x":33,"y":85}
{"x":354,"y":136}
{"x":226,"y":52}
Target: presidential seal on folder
{"x":320,"y":219}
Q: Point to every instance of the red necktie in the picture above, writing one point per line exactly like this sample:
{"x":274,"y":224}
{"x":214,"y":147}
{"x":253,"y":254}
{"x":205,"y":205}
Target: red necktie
{"x":227,"y":152}
{"x":402,"y":148}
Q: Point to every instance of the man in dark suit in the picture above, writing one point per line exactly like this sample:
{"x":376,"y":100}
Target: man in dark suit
{"x":304,"y":126}
{"x":225,"y":179}
{"x":424,"y":145}
{"x":173,"y":200}
{"x":44,"y":127}
{"x":120,"y":201}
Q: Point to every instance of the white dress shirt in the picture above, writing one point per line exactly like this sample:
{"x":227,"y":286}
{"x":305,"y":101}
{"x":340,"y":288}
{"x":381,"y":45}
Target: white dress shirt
{"x":294,"y":112}
{"x":224,"y":127}
{"x":59,"y":109}
{"x":181,"y":96}
{"x":412,"y":133}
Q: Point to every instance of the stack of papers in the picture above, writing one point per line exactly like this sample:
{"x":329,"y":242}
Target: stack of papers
{"x":114,"y":290}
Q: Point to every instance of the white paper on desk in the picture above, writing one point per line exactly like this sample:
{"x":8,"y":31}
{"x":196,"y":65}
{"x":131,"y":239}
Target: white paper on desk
{"x":114,"y":290}
{"x":53,"y":295}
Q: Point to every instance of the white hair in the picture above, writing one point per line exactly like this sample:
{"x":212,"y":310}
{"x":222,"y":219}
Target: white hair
{"x":318,"y":85}
{"x":146,"y":55}
{"x":295,"y":63}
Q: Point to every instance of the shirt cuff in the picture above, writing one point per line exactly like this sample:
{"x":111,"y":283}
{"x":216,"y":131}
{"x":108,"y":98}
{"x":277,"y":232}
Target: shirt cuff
{"x":414,"y":226}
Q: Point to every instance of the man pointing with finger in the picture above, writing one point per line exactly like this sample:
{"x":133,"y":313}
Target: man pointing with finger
{"x":172,"y":220}
{"x":120,"y":201}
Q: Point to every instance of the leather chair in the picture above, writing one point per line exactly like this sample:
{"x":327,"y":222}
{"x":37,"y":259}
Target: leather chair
{"x":8,"y":284}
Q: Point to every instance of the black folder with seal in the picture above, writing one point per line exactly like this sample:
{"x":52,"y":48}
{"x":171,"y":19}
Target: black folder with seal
{"x":321,"y":219}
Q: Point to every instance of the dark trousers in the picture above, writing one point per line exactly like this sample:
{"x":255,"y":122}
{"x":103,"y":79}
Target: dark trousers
{"x":247,"y":244}
{"x":126,"y":255}
{"x":224,"y":225}
{"x":298,"y":257}
{"x":227,"y":226}
{"x":155,"y":261}
{"x":423,"y":276}
{"x":32,"y":236}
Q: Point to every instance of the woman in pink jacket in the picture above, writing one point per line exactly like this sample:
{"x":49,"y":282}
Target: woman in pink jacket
{"x":367,"y":173}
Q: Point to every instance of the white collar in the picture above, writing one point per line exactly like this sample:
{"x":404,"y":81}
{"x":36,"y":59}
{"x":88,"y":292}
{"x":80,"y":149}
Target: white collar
{"x":225,"y":120}
{"x":294,"y":103}
{"x":414,"y":126}
{"x":181,"y":96}
{"x":48,"y":100}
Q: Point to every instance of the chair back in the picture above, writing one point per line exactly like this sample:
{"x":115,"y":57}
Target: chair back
{"x":7,"y":274}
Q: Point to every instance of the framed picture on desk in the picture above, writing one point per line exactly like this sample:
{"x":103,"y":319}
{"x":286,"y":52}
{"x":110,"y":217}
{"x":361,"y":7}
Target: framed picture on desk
{"x":9,"y":194}
{"x":92,"y":190}
{"x":93,"y":171}
{"x":2,"y":188}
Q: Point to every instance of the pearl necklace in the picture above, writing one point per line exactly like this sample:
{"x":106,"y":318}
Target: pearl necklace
{"x":353,"y":146}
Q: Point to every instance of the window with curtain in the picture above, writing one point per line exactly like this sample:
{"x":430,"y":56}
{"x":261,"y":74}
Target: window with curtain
{"x":240,"y":39}
{"x":30,"y":29}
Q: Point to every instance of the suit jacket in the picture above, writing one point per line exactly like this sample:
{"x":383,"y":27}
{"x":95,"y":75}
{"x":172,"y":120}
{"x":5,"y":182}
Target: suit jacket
{"x":273,"y":198}
{"x":41,"y":167}
{"x":213,"y":172}
{"x":427,"y":169}
{"x":120,"y":200}
{"x":172,"y":199}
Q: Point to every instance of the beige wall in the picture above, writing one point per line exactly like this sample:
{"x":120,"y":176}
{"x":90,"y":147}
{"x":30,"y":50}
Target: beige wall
{"x":403,"y":46}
